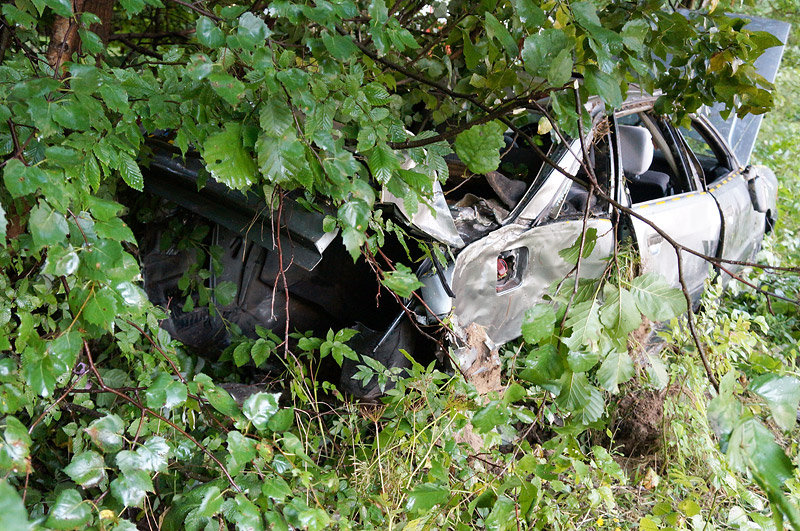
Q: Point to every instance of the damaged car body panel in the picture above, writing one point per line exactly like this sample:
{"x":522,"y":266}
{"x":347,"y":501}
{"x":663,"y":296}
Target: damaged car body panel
{"x":502,"y":233}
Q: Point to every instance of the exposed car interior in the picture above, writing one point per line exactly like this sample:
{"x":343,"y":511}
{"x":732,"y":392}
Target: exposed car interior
{"x":649,"y":158}
{"x":712,"y":164}
{"x":480,"y":203}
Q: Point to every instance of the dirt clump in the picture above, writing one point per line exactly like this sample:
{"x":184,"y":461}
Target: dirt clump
{"x":638,"y":423}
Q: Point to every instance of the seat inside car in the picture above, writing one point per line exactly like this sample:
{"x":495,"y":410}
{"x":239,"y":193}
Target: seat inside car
{"x":636,"y":150}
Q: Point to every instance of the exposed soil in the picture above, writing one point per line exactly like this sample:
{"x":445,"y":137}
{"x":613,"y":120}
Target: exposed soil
{"x":638,"y":422}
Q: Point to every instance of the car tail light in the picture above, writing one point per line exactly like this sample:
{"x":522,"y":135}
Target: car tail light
{"x":511,"y":267}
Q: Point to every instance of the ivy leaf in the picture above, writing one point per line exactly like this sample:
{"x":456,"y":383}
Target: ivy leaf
{"x":106,"y":433}
{"x":13,"y":516}
{"x":538,"y":323}
{"x":617,"y":368}
{"x":260,"y":407}
{"x":165,"y":392}
{"x":130,"y":171}
{"x":87,"y":469}
{"x":131,"y":487}
{"x":403,"y":281}
{"x":782,"y":394}
{"x":227,"y":160}
{"x":423,"y":497}
{"x":479,"y":147}
{"x":47,"y":226}
{"x":70,"y":511}
{"x":619,"y":313}
{"x":656,"y":299}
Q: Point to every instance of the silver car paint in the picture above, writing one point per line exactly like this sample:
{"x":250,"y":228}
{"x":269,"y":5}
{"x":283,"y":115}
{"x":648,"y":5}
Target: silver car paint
{"x":475,"y":273}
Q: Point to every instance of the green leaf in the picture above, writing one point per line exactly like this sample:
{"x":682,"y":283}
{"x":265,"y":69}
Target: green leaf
{"x":211,"y":502}
{"x":228,"y":87}
{"x":208,"y":33}
{"x":69,"y":511}
{"x":582,"y":361}
{"x":479,"y":147}
{"x":541,"y":49}
{"x":227,"y":160}
{"x":584,"y":320}
{"x":752,"y":447}
{"x":402,"y":281}
{"x":782,"y":394}
{"x":604,"y":85}
{"x":619,"y":312}
{"x":503,"y":512}
{"x":22,"y":180}
{"x":575,"y":389}
{"x":3,"y":225}
{"x":425,"y":496}
{"x":106,"y":433}
{"x":570,"y":254}
{"x":339,"y":46}
{"x":87,"y":469}
{"x":130,"y":171}
{"x":131,"y":487}
{"x":252,"y":31}
{"x":101,"y":307}
{"x":260,"y":407}
{"x":47,"y":226}
{"x":219,"y":398}
{"x":165,"y":392}
{"x":560,"y":70}
{"x":617,"y":368}
{"x":275,"y":117}
{"x":538,"y":323}
{"x":656,"y":299}
{"x":62,"y":8}
{"x":530,"y":14}
{"x":247,"y":515}
{"x":495,"y":29}
{"x":13,"y":516}
{"x":15,"y":449}
{"x":382,"y":162}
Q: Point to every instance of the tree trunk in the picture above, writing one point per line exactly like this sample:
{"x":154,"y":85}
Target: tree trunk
{"x":64,"y":40}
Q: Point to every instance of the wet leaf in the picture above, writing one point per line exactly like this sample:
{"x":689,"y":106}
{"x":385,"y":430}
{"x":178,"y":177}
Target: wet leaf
{"x":479,"y":147}
{"x":70,"y":511}
{"x":87,"y":469}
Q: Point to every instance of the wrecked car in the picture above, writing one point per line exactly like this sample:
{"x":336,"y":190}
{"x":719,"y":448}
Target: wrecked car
{"x":503,"y":231}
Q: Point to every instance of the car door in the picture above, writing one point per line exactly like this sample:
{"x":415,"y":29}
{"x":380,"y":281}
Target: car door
{"x":684,"y":212}
{"x":742,"y":226}
{"x":497,"y":278}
